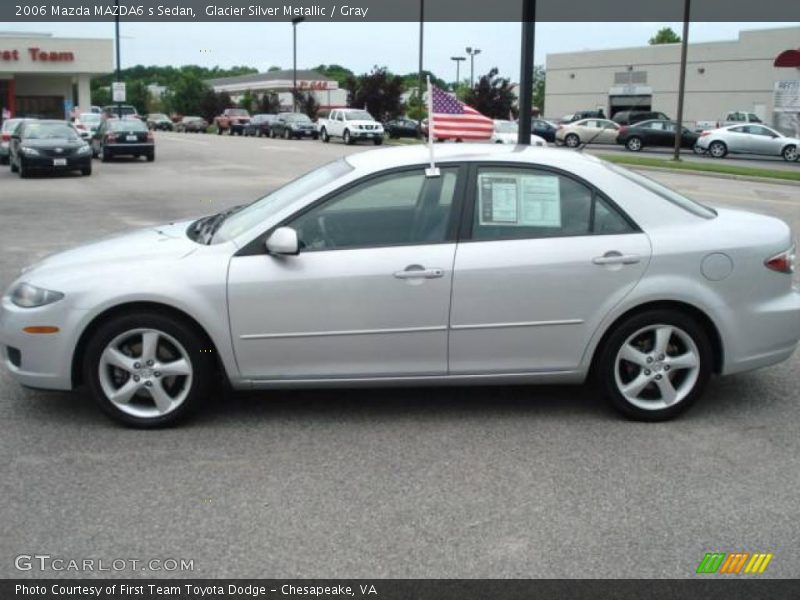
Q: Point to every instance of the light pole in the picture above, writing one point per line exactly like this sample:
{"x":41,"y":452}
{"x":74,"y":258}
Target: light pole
{"x":420,"y":93}
{"x":676,"y":151}
{"x":116,"y":35}
{"x":458,"y":60}
{"x":526,"y":75}
{"x":472,"y":52}
{"x":295,"y":22}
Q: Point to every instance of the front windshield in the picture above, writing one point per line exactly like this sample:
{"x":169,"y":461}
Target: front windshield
{"x":298,"y":118}
{"x":48,"y":131}
{"x":260,"y":210}
{"x":11,"y":124}
{"x":90,"y":117}
{"x":358,"y":115}
{"x":505,"y":127}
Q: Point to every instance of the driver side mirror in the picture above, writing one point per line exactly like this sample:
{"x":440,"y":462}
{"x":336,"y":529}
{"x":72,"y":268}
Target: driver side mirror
{"x":283,"y":241}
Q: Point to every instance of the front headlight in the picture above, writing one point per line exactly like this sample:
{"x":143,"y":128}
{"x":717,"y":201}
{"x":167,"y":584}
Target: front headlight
{"x":84,"y":150}
{"x":26,"y":295}
{"x":29,"y":151}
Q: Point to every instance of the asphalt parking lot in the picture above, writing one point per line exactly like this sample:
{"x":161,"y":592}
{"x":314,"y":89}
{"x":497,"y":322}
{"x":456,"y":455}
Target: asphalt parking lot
{"x":402,"y":483}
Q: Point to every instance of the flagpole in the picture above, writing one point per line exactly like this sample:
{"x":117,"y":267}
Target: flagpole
{"x":432,"y":171}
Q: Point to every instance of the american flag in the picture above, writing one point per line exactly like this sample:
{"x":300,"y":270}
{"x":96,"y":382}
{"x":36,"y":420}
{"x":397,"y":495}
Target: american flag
{"x":452,"y":119}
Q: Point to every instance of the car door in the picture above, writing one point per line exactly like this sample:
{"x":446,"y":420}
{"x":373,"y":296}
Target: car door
{"x":764,"y":140}
{"x":737,"y":139}
{"x":608,"y":131}
{"x":543,"y":259}
{"x":367,"y":296}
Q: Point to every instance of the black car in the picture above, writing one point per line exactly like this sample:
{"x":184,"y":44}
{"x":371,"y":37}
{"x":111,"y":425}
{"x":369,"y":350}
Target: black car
{"x":117,"y":137}
{"x":654,"y":133}
{"x":48,"y":146}
{"x":293,"y":125}
{"x":544,"y":129}
{"x":160,"y":122}
{"x":630,"y":117}
{"x":192,"y":125}
{"x":259,"y":125}
{"x":398,"y":128}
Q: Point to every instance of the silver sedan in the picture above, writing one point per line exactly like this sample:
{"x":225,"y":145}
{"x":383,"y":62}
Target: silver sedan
{"x":509,"y":265}
{"x":749,"y":139}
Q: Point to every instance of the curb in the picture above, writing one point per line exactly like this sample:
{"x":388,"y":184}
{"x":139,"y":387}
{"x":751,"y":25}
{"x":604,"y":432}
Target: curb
{"x":711,"y":174}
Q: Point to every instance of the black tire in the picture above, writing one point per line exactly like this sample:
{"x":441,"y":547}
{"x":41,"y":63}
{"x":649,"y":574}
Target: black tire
{"x":23,"y":171}
{"x":634,"y":143}
{"x":378,"y":141}
{"x":572,"y":140}
{"x":104,"y":156}
{"x":790,"y":153}
{"x":315,"y":136}
{"x":4,"y":160}
{"x":324,"y":135}
{"x":718,"y":149}
{"x":200,"y":359}
{"x":608,"y":376}
{"x":14,"y":168}
{"x":151,"y":156}
{"x":219,"y":130}
{"x":347,"y":138}
{"x":287,"y":135}
{"x":86,"y":171}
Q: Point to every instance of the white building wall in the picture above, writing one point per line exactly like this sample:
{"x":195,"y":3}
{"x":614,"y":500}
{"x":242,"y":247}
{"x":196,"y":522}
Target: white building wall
{"x":720,"y":76}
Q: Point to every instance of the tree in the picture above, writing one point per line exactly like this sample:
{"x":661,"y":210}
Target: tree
{"x":273,"y":68}
{"x":337,"y":72}
{"x":137,"y":94}
{"x":188,"y":94}
{"x":269,"y":103}
{"x":307,"y":103}
{"x":209,"y":105}
{"x":492,"y":96}
{"x":665,"y":35}
{"x":415,"y":108}
{"x":378,"y":91}
{"x":411,"y":80}
{"x":539,"y":76}
{"x":247,"y":100}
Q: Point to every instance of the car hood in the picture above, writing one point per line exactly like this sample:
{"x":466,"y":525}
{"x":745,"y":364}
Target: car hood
{"x":363,"y":123}
{"x":168,"y":242}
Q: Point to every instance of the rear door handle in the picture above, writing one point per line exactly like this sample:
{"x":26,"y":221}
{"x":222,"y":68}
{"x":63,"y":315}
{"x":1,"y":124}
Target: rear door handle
{"x":419,"y":272}
{"x":616,"y":258}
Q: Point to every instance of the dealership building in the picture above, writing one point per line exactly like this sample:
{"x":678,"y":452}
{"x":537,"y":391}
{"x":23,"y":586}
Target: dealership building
{"x":758,"y":72}
{"x":326,"y":91}
{"x":45,"y":76}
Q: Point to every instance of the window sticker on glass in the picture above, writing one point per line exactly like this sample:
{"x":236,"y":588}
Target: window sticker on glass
{"x":498,"y":200}
{"x":541,"y":201}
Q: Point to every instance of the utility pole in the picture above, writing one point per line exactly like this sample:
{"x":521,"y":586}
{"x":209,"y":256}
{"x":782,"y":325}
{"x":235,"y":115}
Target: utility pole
{"x":118,"y":75}
{"x":421,"y":34}
{"x":526,"y":71}
{"x":676,"y":155}
{"x":295,"y":22}
{"x":458,"y":60}
{"x":472,"y":52}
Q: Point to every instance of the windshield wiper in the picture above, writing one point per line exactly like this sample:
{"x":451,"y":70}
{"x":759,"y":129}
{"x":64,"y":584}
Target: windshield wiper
{"x":203,"y":230}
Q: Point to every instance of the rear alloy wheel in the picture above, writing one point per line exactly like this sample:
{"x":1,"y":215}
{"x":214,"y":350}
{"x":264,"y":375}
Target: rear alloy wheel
{"x":655,"y":365}
{"x":718,"y":149}
{"x":634,"y":144}
{"x":147,"y":369}
{"x":790,"y":154}
{"x":572,"y":140}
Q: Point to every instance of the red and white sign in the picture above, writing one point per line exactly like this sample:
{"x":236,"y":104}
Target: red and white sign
{"x":36,"y":55}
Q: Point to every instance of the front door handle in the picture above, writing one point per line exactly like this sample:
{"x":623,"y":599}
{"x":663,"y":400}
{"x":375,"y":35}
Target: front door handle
{"x":419,"y":272}
{"x":616,"y":258}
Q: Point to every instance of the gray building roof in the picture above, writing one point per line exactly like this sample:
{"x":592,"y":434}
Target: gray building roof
{"x":283,"y":74}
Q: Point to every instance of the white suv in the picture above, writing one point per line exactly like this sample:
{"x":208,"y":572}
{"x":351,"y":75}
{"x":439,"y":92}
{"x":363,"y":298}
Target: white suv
{"x":351,"y":124}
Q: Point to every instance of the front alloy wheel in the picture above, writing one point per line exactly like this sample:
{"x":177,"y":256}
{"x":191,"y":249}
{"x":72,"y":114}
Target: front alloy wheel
{"x":147,"y":369}
{"x":655,"y":365}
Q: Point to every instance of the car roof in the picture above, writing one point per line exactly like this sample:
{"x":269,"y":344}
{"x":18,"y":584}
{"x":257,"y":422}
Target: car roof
{"x":401,"y":156}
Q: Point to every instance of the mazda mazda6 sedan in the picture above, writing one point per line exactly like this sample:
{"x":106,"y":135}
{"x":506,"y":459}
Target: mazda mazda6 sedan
{"x":507,"y":265}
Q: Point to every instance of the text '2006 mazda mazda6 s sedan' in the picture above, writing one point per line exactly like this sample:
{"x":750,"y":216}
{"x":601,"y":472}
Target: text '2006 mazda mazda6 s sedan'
{"x":509,"y":265}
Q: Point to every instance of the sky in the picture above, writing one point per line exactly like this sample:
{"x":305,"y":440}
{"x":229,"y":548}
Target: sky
{"x":360,"y":46}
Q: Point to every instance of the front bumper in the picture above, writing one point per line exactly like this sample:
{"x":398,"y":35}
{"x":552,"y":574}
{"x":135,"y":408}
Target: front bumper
{"x":46,"y":163}
{"x":366,"y":135}
{"x":39,"y":360}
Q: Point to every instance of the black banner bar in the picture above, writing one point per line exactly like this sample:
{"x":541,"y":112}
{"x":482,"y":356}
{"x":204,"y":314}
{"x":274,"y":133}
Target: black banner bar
{"x":395,"y":10}
{"x":705,"y":587}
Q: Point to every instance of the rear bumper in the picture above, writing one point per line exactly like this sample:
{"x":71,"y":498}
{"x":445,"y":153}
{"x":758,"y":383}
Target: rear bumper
{"x":769,"y":334}
{"x":132,"y":148}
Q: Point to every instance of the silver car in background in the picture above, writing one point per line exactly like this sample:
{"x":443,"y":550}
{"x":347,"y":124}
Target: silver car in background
{"x":513,"y":265}
{"x":749,"y":139}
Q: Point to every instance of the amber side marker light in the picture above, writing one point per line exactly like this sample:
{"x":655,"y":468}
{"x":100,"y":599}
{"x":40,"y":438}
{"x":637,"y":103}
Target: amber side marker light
{"x":41,"y":329}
